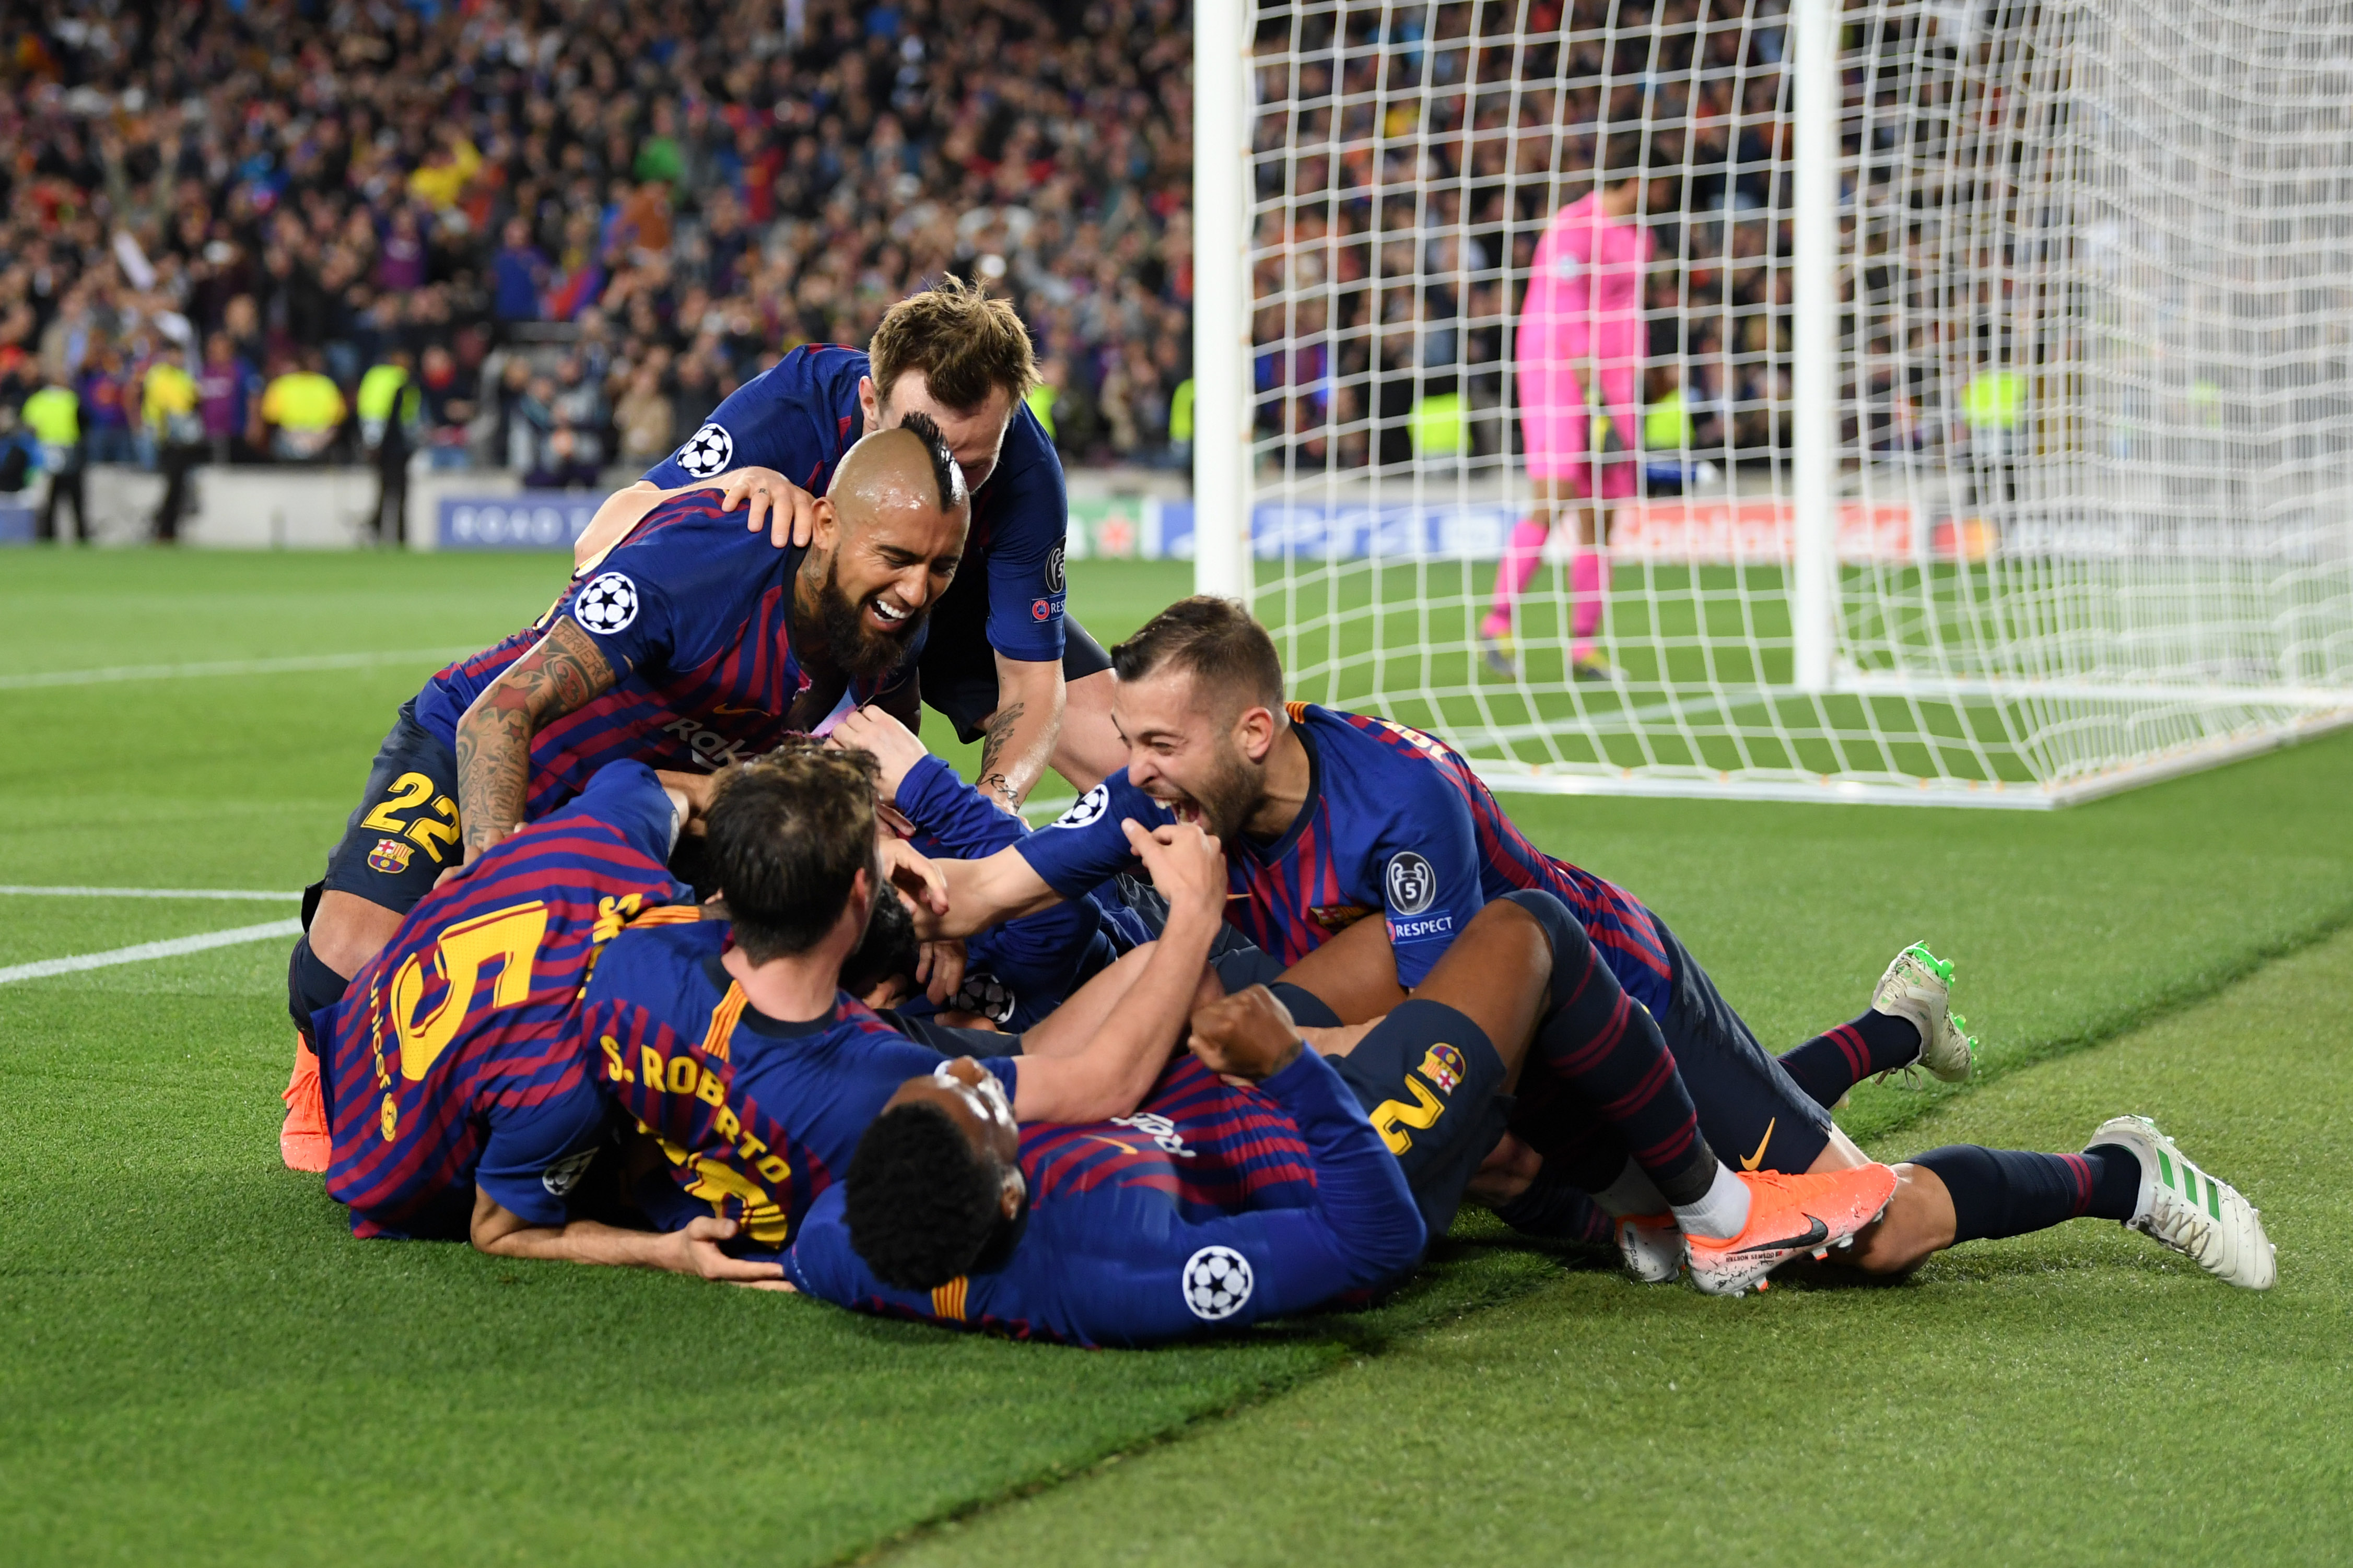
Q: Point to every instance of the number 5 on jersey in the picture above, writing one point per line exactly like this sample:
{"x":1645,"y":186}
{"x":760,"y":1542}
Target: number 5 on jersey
{"x":511,"y":936}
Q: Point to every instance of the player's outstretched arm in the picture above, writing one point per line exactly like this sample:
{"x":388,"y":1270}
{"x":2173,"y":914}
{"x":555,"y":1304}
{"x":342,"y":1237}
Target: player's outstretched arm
{"x":983,"y":893}
{"x":1110,"y":1075}
{"x":765,"y":494}
{"x":564,"y":670}
{"x":501,"y":1232}
{"x":1019,"y":740}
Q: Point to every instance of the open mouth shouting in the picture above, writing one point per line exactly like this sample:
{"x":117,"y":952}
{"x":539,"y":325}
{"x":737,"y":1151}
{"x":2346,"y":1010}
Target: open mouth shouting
{"x":887,"y":617}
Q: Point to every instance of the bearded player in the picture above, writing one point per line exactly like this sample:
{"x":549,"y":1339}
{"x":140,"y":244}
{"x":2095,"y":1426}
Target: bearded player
{"x":690,"y":645}
{"x":1005,"y":663}
{"x":1579,"y":363}
{"x":1334,"y":817}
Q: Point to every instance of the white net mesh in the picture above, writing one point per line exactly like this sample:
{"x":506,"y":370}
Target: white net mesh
{"x":2096,"y":370}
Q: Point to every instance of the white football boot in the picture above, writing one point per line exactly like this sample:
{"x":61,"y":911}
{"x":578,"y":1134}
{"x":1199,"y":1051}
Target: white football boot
{"x":2184,"y":1208}
{"x":1651,"y":1246}
{"x":1919,"y":988}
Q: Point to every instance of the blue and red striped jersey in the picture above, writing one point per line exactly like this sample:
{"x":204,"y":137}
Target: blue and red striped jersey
{"x":454,"y":1060}
{"x":694,"y":613}
{"x":757,"y":1115}
{"x":1211,"y":1206}
{"x":1395,"y":822}
{"x":801,"y":414}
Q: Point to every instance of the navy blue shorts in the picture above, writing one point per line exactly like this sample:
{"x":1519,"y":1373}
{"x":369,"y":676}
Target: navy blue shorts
{"x":404,"y":833}
{"x":1752,"y":1113}
{"x":1433,"y":1086}
{"x":957,"y":670}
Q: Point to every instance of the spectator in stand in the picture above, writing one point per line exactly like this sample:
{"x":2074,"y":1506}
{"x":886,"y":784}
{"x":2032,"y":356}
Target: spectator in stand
{"x":642,"y":418}
{"x":106,"y":395}
{"x":448,"y":405}
{"x":303,"y":411}
{"x":520,"y":271}
{"x":228,"y":391}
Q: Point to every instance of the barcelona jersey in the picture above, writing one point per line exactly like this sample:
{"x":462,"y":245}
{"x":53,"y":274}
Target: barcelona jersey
{"x":454,"y":1060}
{"x":1395,"y":824}
{"x":1029,"y":964}
{"x":1212,"y":1206}
{"x":695,"y":615}
{"x":757,"y":1115}
{"x":799,"y":415}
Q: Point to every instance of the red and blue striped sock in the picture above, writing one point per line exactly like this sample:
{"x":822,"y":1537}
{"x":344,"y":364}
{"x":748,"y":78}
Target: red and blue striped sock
{"x":1830,"y":1064}
{"x":2009,"y":1191}
{"x":1607,"y":1052}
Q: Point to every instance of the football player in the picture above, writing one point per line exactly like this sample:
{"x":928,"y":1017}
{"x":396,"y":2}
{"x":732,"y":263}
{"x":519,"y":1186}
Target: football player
{"x":731,"y":1044}
{"x":1220,"y":1206}
{"x":1004,"y":663}
{"x":689,"y":646}
{"x":1332,"y":817}
{"x":462,"y":1101}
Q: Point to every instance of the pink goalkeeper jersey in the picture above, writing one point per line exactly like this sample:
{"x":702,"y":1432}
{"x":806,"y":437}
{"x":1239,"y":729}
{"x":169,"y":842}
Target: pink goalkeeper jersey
{"x":1588,"y":269}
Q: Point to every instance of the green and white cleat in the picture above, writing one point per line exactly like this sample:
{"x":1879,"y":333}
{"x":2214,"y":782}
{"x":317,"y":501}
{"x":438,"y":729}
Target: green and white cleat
{"x":1919,"y":988}
{"x":2184,"y":1208}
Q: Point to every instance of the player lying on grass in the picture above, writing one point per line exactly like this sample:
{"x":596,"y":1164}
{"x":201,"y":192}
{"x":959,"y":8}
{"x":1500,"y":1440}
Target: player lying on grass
{"x":1220,"y":1205}
{"x":692,"y":644}
{"x":459,"y":1095}
{"x":733,"y":1046}
{"x":1330,"y":818}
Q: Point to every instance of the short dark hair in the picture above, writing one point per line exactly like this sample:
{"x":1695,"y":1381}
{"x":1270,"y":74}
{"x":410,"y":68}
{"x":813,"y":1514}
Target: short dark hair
{"x":945,"y":473}
{"x":889,"y":951}
{"x":1622,"y":157}
{"x":1213,"y":639}
{"x":965,"y":343}
{"x":788,"y":835}
{"x":921,"y":1203}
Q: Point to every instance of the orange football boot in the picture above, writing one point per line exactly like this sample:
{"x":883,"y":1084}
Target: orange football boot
{"x":1787,"y":1215}
{"x":302,"y":1142}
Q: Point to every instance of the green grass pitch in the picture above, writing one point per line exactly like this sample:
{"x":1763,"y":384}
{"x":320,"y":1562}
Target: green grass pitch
{"x":198,"y":1365}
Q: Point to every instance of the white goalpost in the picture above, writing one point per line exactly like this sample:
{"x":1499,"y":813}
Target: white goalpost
{"x":1932,"y":401}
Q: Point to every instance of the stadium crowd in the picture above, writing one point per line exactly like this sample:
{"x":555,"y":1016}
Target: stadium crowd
{"x":551,"y":236}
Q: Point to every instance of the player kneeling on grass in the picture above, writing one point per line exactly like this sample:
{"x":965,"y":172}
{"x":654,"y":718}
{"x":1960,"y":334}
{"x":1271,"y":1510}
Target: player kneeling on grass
{"x":1219,"y":1204}
{"x":733,"y":1044}
{"x":462,"y":1101}
{"x":692,"y":644}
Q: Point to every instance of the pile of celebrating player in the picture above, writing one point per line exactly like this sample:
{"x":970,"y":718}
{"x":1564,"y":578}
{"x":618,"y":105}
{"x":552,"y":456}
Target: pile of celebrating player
{"x":658,"y":937}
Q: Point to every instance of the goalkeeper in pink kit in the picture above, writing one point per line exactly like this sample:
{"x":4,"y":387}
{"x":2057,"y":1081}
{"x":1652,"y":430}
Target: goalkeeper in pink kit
{"x":1581,"y":325}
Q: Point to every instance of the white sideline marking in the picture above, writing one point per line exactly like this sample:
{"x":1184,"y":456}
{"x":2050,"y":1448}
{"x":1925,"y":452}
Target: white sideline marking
{"x":147,"y":949}
{"x":225,"y":667}
{"x":239,"y":894}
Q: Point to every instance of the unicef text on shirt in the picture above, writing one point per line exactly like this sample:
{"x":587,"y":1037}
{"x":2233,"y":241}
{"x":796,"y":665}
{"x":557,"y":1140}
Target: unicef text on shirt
{"x":514,"y":522}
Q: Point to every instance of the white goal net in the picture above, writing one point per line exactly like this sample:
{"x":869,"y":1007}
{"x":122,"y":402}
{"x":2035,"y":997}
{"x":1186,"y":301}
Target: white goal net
{"x":1958,"y":394}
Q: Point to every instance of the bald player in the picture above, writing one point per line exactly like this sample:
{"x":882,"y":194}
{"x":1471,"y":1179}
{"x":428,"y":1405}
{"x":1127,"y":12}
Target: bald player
{"x":690,"y":645}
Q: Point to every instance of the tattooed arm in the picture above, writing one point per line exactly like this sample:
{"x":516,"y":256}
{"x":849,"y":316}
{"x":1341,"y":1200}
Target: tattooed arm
{"x":1019,"y":739}
{"x":564,"y":670}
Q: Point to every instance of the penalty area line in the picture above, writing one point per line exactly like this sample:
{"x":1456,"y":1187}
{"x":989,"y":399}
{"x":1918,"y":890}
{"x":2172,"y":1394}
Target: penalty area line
{"x":242,"y":895}
{"x":224,"y":667}
{"x":150,"y":949}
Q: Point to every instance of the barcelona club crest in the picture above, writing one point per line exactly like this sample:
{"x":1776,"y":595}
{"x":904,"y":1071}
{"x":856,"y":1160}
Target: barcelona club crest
{"x":1443,"y":1066}
{"x":390,"y":856}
